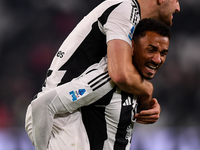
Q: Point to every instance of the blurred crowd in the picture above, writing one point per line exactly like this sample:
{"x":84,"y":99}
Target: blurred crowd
{"x":31,"y":31}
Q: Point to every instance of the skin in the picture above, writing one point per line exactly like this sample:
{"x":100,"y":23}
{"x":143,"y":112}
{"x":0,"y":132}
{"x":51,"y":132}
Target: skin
{"x":167,"y":9}
{"x":151,"y":115}
{"x":119,"y":55}
{"x":162,"y":10}
{"x":149,"y":55}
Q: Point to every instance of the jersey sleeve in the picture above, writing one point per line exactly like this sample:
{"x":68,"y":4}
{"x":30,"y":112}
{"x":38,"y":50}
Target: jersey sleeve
{"x":122,"y":21}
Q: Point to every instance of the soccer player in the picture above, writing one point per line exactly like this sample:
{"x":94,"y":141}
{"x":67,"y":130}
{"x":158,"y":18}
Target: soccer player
{"x":109,"y":121}
{"x":107,"y":30}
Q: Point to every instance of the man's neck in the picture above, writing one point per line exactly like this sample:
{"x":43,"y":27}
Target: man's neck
{"x":148,"y":8}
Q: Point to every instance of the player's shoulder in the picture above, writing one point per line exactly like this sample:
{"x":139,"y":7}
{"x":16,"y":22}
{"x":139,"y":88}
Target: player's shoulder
{"x":127,"y":9}
{"x":133,"y":4}
{"x":120,"y":3}
{"x":125,"y":2}
{"x":125,"y":6}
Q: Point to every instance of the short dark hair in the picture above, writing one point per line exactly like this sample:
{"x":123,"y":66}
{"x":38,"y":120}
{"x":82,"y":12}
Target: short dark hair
{"x":153,"y":25}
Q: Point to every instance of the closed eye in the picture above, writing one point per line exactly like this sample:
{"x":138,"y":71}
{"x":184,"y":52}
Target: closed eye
{"x":151,"y":48}
{"x":164,"y":53}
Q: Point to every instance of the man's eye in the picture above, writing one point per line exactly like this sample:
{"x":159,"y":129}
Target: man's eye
{"x":150,"y":50}
{"x":163,"y":53}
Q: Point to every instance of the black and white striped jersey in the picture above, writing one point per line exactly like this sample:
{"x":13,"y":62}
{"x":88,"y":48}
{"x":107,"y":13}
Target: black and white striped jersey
{"x":84,"y":47}
{"x":109,"y":121}
{"x":79,"y":75}
{"x":86,"y":44}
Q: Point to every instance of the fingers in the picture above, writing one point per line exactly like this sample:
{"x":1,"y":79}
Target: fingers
{"x":149,"y":112}
{"x":153,"y":101}
{"x":148,"y":116}
{"x":146,"y":122}
{"x":151,"y":115}
{"x":146,"y":119}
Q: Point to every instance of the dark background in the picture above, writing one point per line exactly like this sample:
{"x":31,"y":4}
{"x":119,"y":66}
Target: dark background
{"x":31,"y":31}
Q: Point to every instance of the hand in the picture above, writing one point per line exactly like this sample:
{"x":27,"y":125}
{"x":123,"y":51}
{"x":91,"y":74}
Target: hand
{"x":151,"y":115}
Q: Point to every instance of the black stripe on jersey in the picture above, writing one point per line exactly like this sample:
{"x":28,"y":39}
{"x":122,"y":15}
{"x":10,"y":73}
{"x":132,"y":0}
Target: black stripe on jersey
{"x":124,"y":122}
{"x":90,"y":71}
{"x":89,"y":52}
{"x":102,"y":84}
{"x":138,"y":6}
{"x":93,"y":80}
{"x":104,"y":16}
{"x":135,"y":12}
{"x":95,"y":122}
{"x":49,"y":72}
{"x":99,"y":80}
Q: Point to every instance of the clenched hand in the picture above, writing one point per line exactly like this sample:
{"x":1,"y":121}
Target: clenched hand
{"x":151,"y":115}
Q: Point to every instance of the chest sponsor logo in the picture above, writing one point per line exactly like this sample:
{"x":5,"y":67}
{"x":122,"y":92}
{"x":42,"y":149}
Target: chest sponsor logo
{"x":76,"y":94}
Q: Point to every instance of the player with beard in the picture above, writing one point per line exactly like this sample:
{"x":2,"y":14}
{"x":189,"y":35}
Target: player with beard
{"x":105,"y":33}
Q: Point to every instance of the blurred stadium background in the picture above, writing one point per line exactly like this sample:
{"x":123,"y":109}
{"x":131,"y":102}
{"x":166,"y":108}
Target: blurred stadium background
{"x":31,"y":32}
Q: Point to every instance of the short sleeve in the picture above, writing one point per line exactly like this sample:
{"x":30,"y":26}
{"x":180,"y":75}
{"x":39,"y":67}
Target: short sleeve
{"x":121,"y":22}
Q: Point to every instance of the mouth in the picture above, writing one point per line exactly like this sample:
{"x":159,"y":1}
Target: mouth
{"x":151,"y":68}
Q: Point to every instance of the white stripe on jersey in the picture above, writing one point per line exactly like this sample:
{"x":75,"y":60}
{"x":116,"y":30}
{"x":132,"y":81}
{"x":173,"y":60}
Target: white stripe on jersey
{"x":112,"y":120}
{"x":108,"y":122}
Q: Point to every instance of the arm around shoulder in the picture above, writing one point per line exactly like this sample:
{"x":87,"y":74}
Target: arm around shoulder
{"x":123,"y":72}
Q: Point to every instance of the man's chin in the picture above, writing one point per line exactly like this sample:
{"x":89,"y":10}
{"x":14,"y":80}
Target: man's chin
{"x":171,"y":23}
{"x":168,"y":22}
{"x":148,"y":77}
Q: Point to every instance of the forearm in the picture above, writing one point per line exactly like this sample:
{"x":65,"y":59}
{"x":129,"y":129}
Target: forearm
{"x":122,"y":71}
{"x":133,"y":83}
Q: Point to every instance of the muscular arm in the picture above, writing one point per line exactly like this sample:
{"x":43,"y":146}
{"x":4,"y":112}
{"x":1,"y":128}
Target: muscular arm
{"x":126,"y":77}
{"x":122,"y":71}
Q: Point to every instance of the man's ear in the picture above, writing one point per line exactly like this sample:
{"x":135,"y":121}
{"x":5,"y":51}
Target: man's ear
{"x":133,"y":47}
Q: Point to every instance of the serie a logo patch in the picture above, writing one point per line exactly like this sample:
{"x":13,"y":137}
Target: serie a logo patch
{"x":76,"y":94}
{"x":131,"y":33}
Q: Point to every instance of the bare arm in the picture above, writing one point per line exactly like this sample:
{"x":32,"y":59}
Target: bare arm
{"x":126,"y":77}
{"x":122,"y":71}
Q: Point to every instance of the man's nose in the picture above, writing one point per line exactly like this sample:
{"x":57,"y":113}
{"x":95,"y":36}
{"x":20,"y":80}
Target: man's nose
{"x":156,"y":58}
{"x":178,"y":9}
